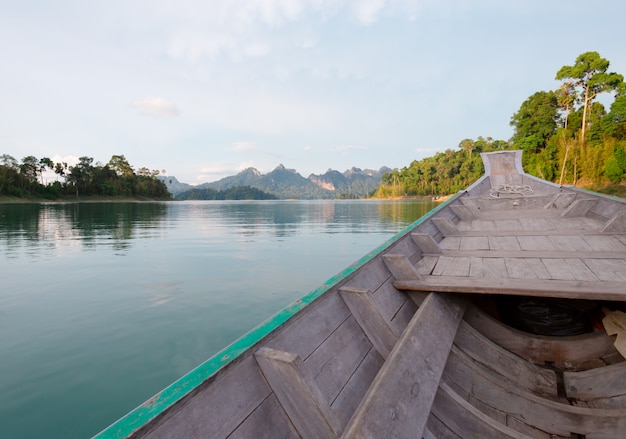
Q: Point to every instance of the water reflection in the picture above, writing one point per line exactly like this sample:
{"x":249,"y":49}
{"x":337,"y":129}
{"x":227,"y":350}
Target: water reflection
{"x":39,"y":229}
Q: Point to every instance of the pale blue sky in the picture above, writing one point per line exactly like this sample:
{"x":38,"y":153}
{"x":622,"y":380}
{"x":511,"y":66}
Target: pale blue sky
{"x":204,"y":89}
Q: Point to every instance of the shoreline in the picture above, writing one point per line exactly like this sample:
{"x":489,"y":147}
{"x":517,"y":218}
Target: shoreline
{"x":86,"y":199}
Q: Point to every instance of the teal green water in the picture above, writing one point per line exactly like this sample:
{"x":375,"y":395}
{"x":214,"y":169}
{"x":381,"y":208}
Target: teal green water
{"x":102,"y":305}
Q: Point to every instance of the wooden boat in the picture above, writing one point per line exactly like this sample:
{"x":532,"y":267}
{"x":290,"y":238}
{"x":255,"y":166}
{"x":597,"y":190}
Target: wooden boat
{"x":417,"y":338}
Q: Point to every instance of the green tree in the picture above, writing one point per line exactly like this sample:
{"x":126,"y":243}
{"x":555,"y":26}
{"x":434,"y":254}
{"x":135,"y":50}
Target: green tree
{"x":589,"y":74}
{"x":536,"y":121}
{"x":614,"y":123}
{"x":120,"y":165}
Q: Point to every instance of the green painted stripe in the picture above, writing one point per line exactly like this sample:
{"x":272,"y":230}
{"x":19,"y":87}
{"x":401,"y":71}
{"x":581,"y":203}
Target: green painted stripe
{"x":156,"y":405}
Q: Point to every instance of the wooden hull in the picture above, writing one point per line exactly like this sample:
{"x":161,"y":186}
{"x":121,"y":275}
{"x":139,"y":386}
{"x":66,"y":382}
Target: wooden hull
{"x":375,"y":353}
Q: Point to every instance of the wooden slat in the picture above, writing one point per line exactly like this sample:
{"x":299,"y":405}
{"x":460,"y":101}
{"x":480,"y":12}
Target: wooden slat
{"x":571,"y":352}
{"x":399,"y":400}
{"x":229,"y":400}
{"x":445,"y":226}
{"x":547,"y":415}
{"x":351,"y":394}
{"x":464,"y":212}
{"x":542,"y":254}
{"x":616,"y":224}
{"x":579,"y":208}
{"x":426,"y":243}
{"x":267,"y":422}
{"x":527,"y":375}
{"x":518,"y":287}
{"x":560,"y":200}
{"x":298,"y":394}
{"x":400,"y":266}
{"x":465,"y":420}
{"x":367,"y":315}
{"x":562,"y":230}
{"x":601,"y":382}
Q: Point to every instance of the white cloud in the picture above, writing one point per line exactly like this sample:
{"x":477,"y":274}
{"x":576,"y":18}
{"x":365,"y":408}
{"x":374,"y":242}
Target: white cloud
{"x":155,"y":107}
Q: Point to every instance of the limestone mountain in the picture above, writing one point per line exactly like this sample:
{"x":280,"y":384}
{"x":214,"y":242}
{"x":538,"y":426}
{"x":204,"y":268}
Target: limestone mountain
{"x":287,"y":183}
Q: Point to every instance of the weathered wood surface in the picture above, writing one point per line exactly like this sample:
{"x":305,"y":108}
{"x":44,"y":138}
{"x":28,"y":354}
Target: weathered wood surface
{"x":235,"y":395}
{"x":565,"y":289}
{"x":526,"y":375}
{"x":599,"y":383}
{"x":549,"y":416}
{"x":369,"y":318}
{"x":399,"y":400}
{"x":572,"y":352}
{"x":453,"y":414}
{"x":298,"y":394}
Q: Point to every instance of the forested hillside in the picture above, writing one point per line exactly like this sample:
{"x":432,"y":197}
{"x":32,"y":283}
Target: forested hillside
{"x":115,"y":179}
{"x":567,"y":136}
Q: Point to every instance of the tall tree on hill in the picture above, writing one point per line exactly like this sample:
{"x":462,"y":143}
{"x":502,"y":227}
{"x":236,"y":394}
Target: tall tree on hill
{"x":536,"y":121}
{"x":589,"y":74}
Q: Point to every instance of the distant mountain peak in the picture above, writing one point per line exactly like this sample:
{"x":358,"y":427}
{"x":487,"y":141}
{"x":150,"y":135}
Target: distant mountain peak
{"x":288,"y":183}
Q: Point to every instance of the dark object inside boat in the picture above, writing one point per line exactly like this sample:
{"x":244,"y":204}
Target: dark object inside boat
{"x":548,"y":316}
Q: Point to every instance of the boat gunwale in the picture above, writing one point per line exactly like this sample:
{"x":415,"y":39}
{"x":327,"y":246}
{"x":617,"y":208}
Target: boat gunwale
{"x":185,"y":385}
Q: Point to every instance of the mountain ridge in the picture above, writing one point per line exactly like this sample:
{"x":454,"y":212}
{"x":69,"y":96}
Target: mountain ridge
{"x":288,"y":183}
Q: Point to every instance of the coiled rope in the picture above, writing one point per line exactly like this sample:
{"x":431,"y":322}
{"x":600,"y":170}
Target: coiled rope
{"x":510,"y":189}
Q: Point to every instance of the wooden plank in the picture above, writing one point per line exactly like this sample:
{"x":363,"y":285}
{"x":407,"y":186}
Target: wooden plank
{"x":442,"y":265}
{"x":569,"y":243}
{"x":615,"y":224}
{"x":547,"y":415}
{"x":399,"y":400}
{"x":426,"y":264}
{"x":563,"y":352}
{"x":560,"y":200}
{"x":351,"y":394}
{"x":269,"y":421}
{"x":526,"y":268}
{"x":445,"y":226}
{"x":450,"y":243}
{"x":426,"y":243}
{"x":508,"y":243}
{"x":466,"y":420}
{"x":303,"y":335}
{"x":457,"y":267}
{"x":542,"y":254}
{"x":601,"y":382}
{"x":607,"y":269}
{"x":471,"y":243}
{"x":527,"y":375}
{"x":332,"y":364}
{"x":465,"y":213}
{"x":368,"y":316}
{"x":569,"y":269}
{"x":488,"y":267}
{"x":518,"y":287}
{"x":233,"y":396}
{"x":601,"y":243}
{"x":298,"y":394}
{"x":562,"y":230}
{"x":579,"y":207}
{"x":400,"y":267}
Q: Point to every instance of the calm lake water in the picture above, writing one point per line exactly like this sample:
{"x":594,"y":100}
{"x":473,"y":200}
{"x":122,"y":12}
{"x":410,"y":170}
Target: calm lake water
{"x":102,"y":305}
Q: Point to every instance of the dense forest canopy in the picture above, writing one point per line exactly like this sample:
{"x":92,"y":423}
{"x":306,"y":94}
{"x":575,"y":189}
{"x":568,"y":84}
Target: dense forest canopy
{"x":233,"y":193}
{"x":115,"y":179}
{"x":567,"y":137}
